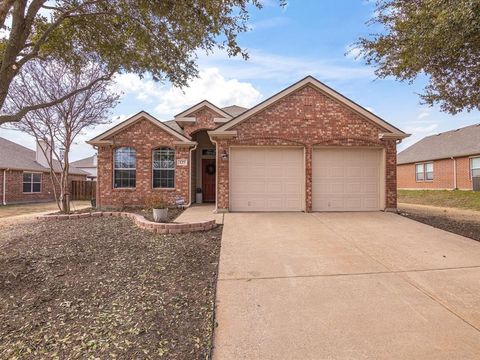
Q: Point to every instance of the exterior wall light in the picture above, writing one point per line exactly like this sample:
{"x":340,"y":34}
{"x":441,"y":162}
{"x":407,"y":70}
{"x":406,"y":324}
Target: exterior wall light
{"x":225,"y":155}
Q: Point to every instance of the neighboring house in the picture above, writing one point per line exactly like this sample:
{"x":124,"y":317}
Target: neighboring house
{"x":25,"y":174}
{"x":447,"y":160}
{"x":88,"y":165}
{"x":307,"y":148}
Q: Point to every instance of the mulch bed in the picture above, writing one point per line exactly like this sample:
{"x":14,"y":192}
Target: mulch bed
{"x":465,"y":228}
{"x":103,"y":288}
{"x":147,"y":213}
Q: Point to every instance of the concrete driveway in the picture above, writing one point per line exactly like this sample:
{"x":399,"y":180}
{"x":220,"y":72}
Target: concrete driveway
{"x":345,"y":286}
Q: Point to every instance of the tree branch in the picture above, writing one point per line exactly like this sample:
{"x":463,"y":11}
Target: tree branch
{"x":21,"y":113}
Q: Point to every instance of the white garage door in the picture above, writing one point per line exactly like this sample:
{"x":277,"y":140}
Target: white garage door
{"x":346,"y":179}
{"x":266,"y":179}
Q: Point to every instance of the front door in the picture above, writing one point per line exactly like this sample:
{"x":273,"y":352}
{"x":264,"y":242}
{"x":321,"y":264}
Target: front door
{"x":208,"y":179}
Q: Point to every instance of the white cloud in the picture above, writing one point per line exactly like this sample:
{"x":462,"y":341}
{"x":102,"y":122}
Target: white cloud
{"x":352,"y":52}
{"x":212,"y":86}
{"x":423,"y":114}
{"x":267,"y":66}
{"x":417,"y":133}
{"x":269,"y":23}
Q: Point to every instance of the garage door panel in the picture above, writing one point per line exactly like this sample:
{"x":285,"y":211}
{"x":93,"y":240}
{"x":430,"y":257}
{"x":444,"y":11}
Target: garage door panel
{"x":266,"y":179}
{"x":346,"y":179}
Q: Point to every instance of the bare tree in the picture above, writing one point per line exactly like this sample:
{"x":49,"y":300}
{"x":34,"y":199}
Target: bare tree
{"x":57,"y":126}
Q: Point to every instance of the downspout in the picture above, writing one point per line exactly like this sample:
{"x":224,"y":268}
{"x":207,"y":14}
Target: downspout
{"x":454,"y":173}
{"x":190,"y":176}
{"x":4,"y":200}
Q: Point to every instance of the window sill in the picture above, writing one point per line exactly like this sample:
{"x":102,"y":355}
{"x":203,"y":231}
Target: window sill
{"x":125,"y":189}
{"x":31,"y":193}
{"x":164,"y":189}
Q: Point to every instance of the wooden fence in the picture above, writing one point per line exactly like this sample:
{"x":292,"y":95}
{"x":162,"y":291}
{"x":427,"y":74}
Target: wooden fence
{"x":83,"y":190}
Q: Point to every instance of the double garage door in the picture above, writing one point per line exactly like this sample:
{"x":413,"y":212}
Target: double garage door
{"x":273,"y":179}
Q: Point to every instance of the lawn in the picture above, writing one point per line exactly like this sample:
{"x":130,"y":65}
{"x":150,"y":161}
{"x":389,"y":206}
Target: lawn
{"x":103,"y":288}
{"x":25,"y":209}
{"x":446,"y":198}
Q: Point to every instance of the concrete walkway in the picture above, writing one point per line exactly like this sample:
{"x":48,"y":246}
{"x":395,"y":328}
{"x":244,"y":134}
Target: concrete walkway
{"x":197,"y":213}
{"x":345,"y":286}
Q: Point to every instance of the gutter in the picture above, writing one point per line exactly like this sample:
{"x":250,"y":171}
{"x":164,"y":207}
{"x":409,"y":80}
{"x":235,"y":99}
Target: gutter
{"x":4,"y":195}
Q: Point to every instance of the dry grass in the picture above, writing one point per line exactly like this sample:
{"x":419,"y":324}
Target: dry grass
{"x":25,"y":209}
{"x":443,"y":198}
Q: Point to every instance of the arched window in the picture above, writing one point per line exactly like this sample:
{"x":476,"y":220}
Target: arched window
{"x":124,"y":167}
{"x":163,"y":168}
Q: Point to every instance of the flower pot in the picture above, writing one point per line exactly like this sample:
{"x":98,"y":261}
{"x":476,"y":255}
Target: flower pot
{"x":160,"y":215}
{"x":198,"y":198}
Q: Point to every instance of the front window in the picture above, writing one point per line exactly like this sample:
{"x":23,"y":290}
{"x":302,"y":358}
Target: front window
{"x":163,"y":168}
{"x":429,"y":171}
{"x":424,"y":171}
{"x":32,"y":182}
{"x":419,"y":176}
{"x":475,"y":166}
{"x":125,"y":161}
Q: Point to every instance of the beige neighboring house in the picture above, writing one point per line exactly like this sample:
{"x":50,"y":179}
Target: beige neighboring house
{"x":88,"y":165}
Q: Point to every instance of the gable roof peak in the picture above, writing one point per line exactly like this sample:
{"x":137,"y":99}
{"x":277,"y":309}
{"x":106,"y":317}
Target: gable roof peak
{"x":328,"y":91}
{"x":201,"y":104}
{"x":133,"y":119}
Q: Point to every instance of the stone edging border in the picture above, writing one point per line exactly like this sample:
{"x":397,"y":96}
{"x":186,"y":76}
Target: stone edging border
{"x":140,"y":221}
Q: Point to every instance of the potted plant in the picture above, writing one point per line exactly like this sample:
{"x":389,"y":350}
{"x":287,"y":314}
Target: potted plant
{"x":199,"y":196}
{"x":160,"y":212}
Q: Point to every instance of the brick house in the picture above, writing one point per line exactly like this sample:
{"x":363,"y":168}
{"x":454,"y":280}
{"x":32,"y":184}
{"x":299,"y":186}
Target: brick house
{"x":448,"y":160}
{"x":25,"y":174}
{"x":307,"y":148}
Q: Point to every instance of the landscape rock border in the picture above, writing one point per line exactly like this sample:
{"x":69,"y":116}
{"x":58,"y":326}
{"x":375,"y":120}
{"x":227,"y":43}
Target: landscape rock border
{"x":140,"y":221}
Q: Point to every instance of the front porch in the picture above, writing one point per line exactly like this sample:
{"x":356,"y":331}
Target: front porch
{"x":204,"y":170}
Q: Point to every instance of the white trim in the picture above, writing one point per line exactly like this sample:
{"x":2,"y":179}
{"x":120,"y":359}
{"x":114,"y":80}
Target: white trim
{"x":221,"y":134}
{"x":99,"y":140}
{"x":470,"y":168}
{"x":33,"y":182}
{"x":201,"y":104}
{"x":309,"y":80}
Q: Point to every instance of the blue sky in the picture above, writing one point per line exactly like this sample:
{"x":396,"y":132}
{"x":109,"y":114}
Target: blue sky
{"x":308,"y":37}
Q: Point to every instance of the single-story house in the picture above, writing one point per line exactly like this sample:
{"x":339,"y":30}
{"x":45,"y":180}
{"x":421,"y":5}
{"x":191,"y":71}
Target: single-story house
{"x":88,"y":165}
{"x":307,"y":148}
{"x":25,"y":174}
{"x":449,"y":160}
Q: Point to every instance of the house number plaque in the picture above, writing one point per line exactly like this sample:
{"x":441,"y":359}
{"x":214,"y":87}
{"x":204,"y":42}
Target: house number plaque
{"x":182,"y":162}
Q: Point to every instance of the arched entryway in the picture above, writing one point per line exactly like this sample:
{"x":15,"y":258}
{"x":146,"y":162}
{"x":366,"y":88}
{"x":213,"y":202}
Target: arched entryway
{"x":204,"y":170}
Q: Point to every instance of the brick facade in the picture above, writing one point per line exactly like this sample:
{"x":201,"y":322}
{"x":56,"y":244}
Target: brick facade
{"x":14,"y":187}
{"x":307,"y":118}
{"x":144,"y":137}
{"x":443,"y":175}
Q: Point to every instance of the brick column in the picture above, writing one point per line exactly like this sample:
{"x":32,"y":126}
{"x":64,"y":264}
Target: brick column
{"x":308,"y":177}
{"x":391,"y":174}
{"x":223,"y":189}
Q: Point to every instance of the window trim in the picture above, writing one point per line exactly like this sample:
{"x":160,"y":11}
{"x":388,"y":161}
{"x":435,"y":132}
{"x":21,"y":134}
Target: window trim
{"x":115,"y":168}
{"x":470,"y":167}
{"x":32,"y":182}
{"x":174,"y":168}
{"x":424,"y":171}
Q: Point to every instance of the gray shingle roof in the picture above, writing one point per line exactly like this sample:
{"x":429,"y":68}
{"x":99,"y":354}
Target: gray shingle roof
{"x":18,"y":157}
{"x":84,"y":163}
{"x":234,"y":110}
{"x":460,"y":142}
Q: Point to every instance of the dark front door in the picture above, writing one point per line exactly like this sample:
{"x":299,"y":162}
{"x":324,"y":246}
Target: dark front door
{"x":208,"y":179}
